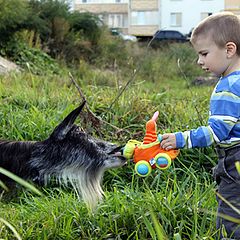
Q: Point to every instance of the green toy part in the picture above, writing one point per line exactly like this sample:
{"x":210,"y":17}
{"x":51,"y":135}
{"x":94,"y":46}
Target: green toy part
{"x":129,"y":148}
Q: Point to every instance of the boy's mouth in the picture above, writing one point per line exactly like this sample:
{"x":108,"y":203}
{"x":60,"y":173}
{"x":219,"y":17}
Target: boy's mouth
{"x":205,"y":69}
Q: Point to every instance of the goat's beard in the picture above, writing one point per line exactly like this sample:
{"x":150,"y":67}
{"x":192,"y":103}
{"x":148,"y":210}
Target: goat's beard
{"x":86,"y":185}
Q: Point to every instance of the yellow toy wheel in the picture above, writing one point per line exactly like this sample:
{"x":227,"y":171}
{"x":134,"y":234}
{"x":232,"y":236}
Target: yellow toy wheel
{"x":143,"y":168}
{"x":163,"y":161}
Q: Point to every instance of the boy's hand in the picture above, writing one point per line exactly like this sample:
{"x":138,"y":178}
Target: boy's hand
{"x":168,"y":141}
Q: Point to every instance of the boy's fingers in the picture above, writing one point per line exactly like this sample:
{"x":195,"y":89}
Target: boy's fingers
{"x":168,"y":142}
{"x":165,"y":144}
{"x":164,"y":136}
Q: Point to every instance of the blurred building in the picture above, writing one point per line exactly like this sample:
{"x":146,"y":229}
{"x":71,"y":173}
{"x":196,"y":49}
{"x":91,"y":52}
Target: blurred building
{"x":145,"y":17}
{"x":233,"y":6}
{"x":113,"y":13}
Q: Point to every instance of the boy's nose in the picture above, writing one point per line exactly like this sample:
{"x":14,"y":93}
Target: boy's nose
{"x":200,"y":62}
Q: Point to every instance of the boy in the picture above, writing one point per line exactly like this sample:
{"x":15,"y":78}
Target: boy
{"x":216,"y":39}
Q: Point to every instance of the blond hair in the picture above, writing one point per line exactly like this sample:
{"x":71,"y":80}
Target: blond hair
{"x":221,"y":28}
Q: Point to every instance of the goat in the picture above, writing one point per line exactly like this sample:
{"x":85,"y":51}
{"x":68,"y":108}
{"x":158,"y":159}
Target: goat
{"x":69,"y":155}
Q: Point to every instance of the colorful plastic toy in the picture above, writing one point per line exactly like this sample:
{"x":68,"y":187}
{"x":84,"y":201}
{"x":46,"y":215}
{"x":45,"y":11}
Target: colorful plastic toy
{"x":148,"y":155}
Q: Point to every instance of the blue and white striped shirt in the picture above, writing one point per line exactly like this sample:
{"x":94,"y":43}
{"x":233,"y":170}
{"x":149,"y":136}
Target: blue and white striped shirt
{"x":224,"y":117}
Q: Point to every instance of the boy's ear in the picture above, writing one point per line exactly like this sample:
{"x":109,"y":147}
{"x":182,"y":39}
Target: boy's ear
{"x":231,"y":49}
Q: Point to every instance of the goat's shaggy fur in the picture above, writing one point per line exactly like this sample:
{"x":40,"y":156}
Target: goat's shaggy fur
{"x":69,"y":154}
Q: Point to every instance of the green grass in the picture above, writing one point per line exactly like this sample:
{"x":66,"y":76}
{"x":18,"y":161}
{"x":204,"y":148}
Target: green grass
{"x":178,"y":203}
{"x":126,"y":212}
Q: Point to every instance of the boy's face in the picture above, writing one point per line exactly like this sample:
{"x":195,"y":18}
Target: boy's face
{"x":211,"y":58}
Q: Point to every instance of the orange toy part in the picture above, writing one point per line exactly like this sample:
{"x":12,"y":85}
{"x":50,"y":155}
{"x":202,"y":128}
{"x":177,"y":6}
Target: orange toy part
{"x":151,"y":146}
{"x":151,"y":131}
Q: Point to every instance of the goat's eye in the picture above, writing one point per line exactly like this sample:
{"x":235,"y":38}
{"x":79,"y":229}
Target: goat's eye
{"x":101,"y":145}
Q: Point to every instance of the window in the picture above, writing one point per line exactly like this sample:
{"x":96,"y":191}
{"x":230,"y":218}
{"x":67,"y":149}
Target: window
{"x":205,"y":14}
{"x":144,"y":18}
{"x":111,"y":20}
{"x":117,"y":20}
{"x":176,"y":19}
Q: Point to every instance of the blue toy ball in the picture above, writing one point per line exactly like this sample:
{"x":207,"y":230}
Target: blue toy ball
{"x":143,"y":168}
{"x":163,"y":161}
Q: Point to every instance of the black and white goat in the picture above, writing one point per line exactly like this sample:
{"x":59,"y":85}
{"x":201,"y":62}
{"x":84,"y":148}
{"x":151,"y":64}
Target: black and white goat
{"x":69,"y":154}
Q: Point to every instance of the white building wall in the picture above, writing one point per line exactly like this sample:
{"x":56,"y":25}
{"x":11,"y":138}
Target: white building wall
{"x":191,"y":12}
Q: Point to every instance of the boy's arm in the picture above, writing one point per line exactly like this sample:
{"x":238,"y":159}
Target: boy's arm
{"x":200,"y":137}
{"x":224,"y":115}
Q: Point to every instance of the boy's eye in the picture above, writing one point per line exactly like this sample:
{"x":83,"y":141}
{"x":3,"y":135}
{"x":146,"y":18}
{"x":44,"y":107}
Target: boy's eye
{"x":204,"y":54}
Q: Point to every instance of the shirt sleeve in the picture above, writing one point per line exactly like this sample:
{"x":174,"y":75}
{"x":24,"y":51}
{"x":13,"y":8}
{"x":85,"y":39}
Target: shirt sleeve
{"x":200,"y":137}
{"x":224,"y":114}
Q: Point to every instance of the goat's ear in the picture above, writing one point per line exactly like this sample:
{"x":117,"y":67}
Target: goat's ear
{"x":63,"y":128}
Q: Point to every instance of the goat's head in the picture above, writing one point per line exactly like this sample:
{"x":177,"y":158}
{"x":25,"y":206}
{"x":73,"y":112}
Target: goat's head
{"x":72,"y":155}
{"x":83,"y":146}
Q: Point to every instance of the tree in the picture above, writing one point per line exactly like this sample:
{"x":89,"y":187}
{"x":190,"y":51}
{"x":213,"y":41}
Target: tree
{"x":88,"y":24}
{"x":10,"y":19}
{"x":43,"y":15}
